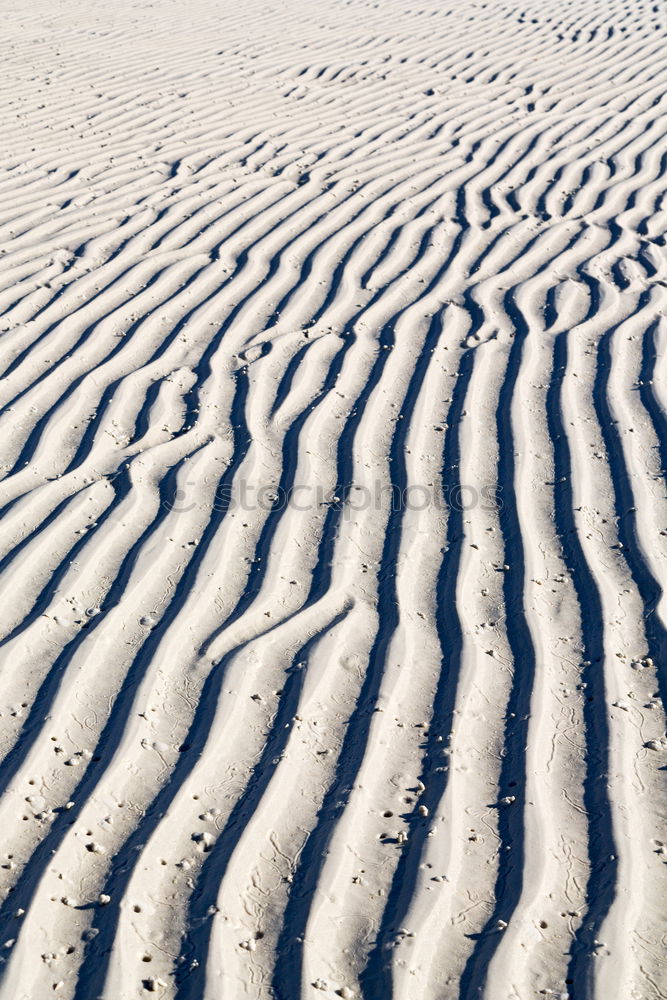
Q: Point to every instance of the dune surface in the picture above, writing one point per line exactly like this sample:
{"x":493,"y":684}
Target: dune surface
{"x":333,"y":441}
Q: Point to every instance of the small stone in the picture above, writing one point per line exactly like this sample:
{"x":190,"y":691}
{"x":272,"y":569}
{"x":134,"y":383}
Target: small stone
{"x":204,"y":841}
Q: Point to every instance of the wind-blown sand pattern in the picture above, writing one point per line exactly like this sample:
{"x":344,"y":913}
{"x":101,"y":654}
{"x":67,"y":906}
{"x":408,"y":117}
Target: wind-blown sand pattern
{"x":323,"y":745}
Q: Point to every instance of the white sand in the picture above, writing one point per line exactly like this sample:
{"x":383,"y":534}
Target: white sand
{"x":332,"y":748}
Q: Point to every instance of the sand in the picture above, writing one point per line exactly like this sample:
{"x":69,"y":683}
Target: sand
{"x":333,"y":437}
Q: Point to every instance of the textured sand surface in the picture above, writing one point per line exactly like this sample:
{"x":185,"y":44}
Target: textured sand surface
{"x":333,"y":438}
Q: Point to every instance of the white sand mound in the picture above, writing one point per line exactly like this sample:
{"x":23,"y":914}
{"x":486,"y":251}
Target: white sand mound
{"x":333,"y":429}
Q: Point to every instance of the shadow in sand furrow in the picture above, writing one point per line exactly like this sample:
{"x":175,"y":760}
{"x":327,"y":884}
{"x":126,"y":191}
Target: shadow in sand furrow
{"x":26,"y":285}
{"x":644,"y":226}
{"x":244,"y":207}
{"x":648,"y":395}
{"x":582,"y":185}
{"x":49,"y":686}
{"x":649,"y":588}
{"x":342,"y":266}
{"x":306,"y":267}
{"x":122,"y":486}
{"x":97,"y":956}
{"x":511,"y":197}
{"x":390,"y":244}
{"x":35,"y":436}
{"x":290,"y":456}
{"x":287,"y":379}
{"x":201,"y":370}
{"x":190,"y":973}
{"x":512,"y":779}
{"x":119,"y":278}
{"x":486,"y":194}
{"x":643,"y":256}
{"x":114,"y":727}
{"x":15,"y":553}
{"x":322,"y":573}
{"x":376,"y":978}
{"x":191,"y":400}
{"x":344,"y":456}
{"x":290,"y":451}
{"x":116,"y":280}
{"x":290,"y":945}
{"x":551,"y":186}
{"x":120,"y":476}
{"x":601,"y":885}
{"x":243,"y":259}
{"x":142,"y":423}
{"x":65,"y":287}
